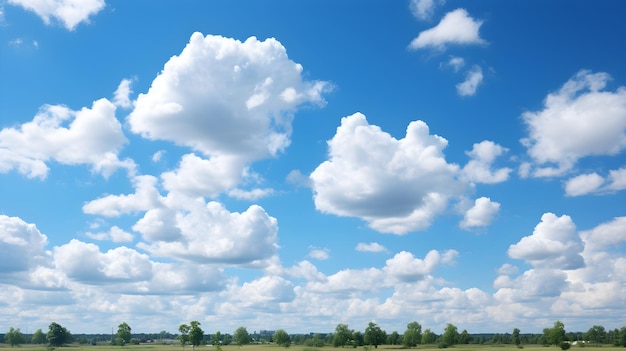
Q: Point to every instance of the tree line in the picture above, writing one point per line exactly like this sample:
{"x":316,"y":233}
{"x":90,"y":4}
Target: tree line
{"x":192,"y":334}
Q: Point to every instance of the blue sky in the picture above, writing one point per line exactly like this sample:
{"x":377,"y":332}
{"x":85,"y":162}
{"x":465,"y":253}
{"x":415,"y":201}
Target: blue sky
{"x":299,"y":164}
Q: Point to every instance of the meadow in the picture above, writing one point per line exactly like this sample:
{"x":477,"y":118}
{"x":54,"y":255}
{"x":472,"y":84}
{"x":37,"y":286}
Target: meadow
{"x":273,"y":347}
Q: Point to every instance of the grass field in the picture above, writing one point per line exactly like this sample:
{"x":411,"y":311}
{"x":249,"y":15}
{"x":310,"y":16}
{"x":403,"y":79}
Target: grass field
{"x":271,"y":347}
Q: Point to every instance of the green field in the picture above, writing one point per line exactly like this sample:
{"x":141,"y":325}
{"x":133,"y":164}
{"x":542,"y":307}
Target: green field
{"x":270,"y":347}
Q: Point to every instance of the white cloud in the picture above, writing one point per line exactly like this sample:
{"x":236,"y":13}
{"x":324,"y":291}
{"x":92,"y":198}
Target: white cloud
{"x":21,"y":245}
{"x":606,"y":235}
{"x":85,"y":263}
{"x":371,"y":247}
{"x":146,"y":197}
{"x":94,"y":136}
{"x":583,"y":184}
{"x":121,"y":96}
{"x":266,"y":290}
{"x":593,"y":183}
{"x":423,"y":9}
{"x":507,"y":269}
{"x":69,"y":12}
{"x":478,"y":169}
{"x":396,"y":186}
{"x":553,"y":244}
{"x":223,"y":97}
{"x":407,"y":268}
{"x":481,"y":214}
{"x":210,"y":234}
{"x":456,"y":63}
{"x":319,"y":254}
{"x":115,"y":234}
{"x":456,"y":27}
{"x":473,"y":78}
{"x":594,"y":121}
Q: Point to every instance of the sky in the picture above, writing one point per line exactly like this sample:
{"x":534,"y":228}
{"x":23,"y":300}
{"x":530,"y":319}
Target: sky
{"x":300,"y":164}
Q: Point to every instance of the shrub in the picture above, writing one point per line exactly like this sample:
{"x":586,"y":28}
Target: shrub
{"x":564,"y":345}
{"x":442,"y":345}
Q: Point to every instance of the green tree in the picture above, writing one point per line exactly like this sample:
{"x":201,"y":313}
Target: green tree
{"x":394,"y":338}
{"x":596,"y":334}
{"x":556,"y":334}
{"x":58,"y":335}
{"x":464,"y":337}
{"x":621,"y":340}
{"x":374,"y":335}
{"x":14,"y":337}
{"x":38,"y":337}
{"x":516,"y":338}
{"x":412,"y":335}
{"x":196,"y":334}
{"x":450,"y":334}
{"x":357,"y":338}
{"x":428,"y":337}
{"x":184,"y":334}
{"x":241,"y":336}
{"x":282,"y":338}
{"x":342,"y":335}
{"x":123,"y":334}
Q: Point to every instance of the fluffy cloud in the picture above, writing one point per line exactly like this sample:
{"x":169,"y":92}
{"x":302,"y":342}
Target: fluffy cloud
{"x":481,"y":214}
{"x":593,"y":183}
{"x":221,"y":96}
{"x":121,"y":96}
{"x":407,"y":268}
{"x":85,"y":263}
{"x":473,"y":78}
{"x":211,"y":234}
{"x":395,"y":185}
{"x":94,"y":136}
{"x":319,"y":254}
{"x":554,"y":243}
{"x":21,"y":245}
{"x":594,"y":121}
{"x":69,"y":12}
{"x":478,"y":169}
{"x":146,"y":197}
{"x":371,"y":247}
{"x":456,"y":27}
{"x":115,"y":234}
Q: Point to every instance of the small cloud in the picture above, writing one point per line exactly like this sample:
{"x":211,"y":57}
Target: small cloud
{"x":298,"y":179}
{"x":507,"y":269}
{"x":481,"y":214}
{"x":593,"y":183}
{"x":250,"y":195}
{"x":319,"y":254}
{"x":473,"y":78}
{"x":157,"y":156}
{"x":456,"y":63}
{"x":16,"y":42}
{"x":457,"y":27}
{"x":70,"y":13}
{"x":423,"y":9}
{"x":121,"y":96}
{"x":371,"y":247}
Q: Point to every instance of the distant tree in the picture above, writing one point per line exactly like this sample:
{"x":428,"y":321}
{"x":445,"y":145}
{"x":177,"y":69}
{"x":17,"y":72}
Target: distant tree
{"x":428,"y":337}
{"x":394,"y":338}
{"x":38,"y":337}
{"x":374,"y":335}
{"x":412,"y":335}
{"x":357,"y":338}
{"x":241,"y":336}
{"x":58,"y":335}
{"x":342,"y":335}
{"x":216,"y":339}
{"x":14,"y":337}
{"x":464,"y":337}
{"x":184,"y":334}
{"x":196,"y":334}
{"x":596,"y":334}
{"x":516,"y":338}
{"x":556,"y":334}
{"x":123,"y":334}
{"x":450,"y":335}
{"x":621,"y":340}
{"x":282,"y":338}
